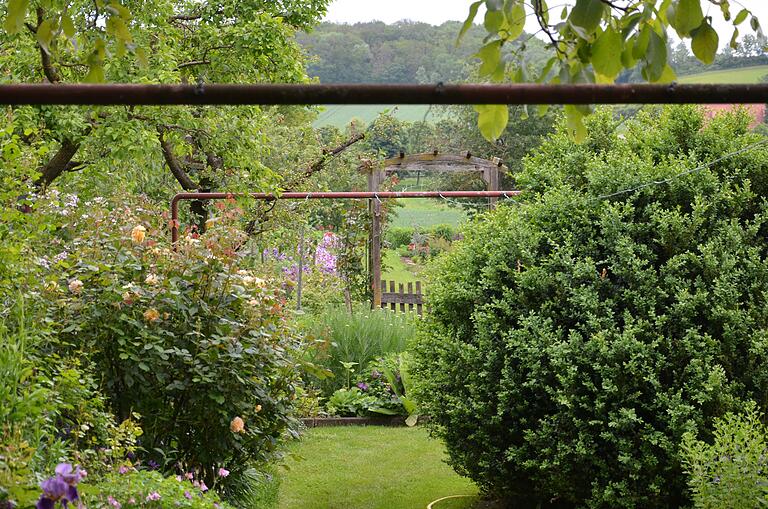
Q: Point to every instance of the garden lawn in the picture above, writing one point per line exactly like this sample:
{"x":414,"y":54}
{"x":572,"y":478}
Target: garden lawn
{"x":370,"y":468}
{"x":426,"y":212}
{"x":395,"y":269}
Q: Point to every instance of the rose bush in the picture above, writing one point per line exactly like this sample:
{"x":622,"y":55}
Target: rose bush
{"x":188,"y":340}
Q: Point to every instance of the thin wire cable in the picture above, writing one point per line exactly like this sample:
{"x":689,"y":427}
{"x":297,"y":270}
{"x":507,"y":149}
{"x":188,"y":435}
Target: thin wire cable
{"x":684,"y":173}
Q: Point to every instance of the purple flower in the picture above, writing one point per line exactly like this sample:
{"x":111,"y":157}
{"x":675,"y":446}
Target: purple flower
{"x":55,"y":490}
{"x":203,"y":487}
{"x":123,"y":470}
{"x":114,"y":503}
{"x":153,"y":496}
{"x":153,"y":465}
{"x":362,"y":386}
{"x":69,"y":475}
{"x":187,"y":495}
{"x":223,"y":472}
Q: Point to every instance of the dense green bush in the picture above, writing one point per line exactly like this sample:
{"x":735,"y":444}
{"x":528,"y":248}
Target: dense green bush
{"x":575,"y":338}
{"x":200,"y":349}
{"x":731,"y":471}
{"x":398,"y":236}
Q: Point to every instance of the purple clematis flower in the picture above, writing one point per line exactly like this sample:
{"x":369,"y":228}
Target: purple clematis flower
{"x":362,"y":386}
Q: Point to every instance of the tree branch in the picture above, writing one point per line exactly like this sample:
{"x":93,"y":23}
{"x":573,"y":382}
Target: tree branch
{"x":320,"y":163}
{"x":58,"y":164}
{"x":173,"y":163}
{"x":192,"y":63}
{"x":51,"y":74}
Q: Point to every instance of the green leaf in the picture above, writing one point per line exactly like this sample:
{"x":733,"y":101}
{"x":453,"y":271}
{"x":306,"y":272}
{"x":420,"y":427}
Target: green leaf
{"x":740,"y":17}
{"x":575,"y":123}
{"x":14,"y":20}
{"x":493,"y":21}
{"x":755,"y":23}
{"x":515,"y":19}
{"x":655,"y":57}
{"x":705,"y":42}
{"x":383,"y":411}
{"x":490,"y":55}
{"x":492,"y":120}
{"x":141,"y":57}
{"x":470,"y":19}
{"x":734,"y":39}
{"x":606,"y":53}
{"x":685,"y":16}
{"x":67,"y":26}
{"x":44,"y":35}
{"x":587,"y":14}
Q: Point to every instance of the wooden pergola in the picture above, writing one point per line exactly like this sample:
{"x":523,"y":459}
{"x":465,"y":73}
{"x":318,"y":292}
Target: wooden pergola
{"x":429,"y":161}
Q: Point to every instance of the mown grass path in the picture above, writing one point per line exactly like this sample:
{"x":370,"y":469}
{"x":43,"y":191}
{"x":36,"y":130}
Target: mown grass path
{"x":370,"y":468}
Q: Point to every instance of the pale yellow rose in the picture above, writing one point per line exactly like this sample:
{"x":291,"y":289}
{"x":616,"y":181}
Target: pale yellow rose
{"x":76,"y":286}
{"x":138,"y":233}
{"x":151,"y":315}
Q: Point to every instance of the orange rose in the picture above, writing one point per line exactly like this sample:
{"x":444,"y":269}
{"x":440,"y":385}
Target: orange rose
{"x":237,"y":425}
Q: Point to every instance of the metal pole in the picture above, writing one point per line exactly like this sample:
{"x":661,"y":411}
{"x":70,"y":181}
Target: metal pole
{"x":267,"y":94}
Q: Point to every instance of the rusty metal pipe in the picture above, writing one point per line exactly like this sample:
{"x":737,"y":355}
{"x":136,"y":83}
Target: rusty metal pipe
{"x":267,"y":94}
{"x":332,"y":195}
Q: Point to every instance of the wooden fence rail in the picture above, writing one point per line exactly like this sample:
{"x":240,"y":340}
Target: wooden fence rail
{"x":398,"y":300}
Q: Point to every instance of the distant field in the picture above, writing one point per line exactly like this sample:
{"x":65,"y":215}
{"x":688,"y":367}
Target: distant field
{"x":743,"y":75}
{"x":426,"y":212}
{"x":341,"y":115}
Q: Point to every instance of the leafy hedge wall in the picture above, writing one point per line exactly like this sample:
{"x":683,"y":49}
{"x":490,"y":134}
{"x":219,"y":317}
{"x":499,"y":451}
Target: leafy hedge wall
{"x":575,"y":338}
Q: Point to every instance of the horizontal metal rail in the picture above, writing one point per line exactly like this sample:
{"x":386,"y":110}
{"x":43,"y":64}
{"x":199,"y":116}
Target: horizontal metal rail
{"x":271,"y":94}
{"x":325,"y":196}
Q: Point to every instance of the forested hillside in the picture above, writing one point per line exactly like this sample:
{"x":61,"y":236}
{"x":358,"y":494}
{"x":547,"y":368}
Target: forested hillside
{"x":410,"y":52}
{"x":404,"y":52}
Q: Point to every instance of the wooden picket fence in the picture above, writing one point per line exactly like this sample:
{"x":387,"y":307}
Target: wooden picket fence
{"x":398,"y":300}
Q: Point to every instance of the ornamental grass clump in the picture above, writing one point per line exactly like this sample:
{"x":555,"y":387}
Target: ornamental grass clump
{"x":574,"y":339}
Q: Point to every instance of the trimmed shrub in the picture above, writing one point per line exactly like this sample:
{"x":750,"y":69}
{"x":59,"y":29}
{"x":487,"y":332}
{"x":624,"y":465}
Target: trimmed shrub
{"x":397,"y":236}
{"x":572,"y":340}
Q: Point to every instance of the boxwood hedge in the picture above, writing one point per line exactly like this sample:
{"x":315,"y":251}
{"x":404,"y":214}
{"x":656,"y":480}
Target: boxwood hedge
{"x":576,"y":336}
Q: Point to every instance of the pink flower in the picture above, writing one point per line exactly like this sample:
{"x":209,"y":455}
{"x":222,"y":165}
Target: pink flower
{"x":153,"y":496}
{"x":203,"y":487}
{"x":189,"y":475}
{"x":223,"y":472}
{"x":132,"y":501}
{"x":114,"y":503}
{"x":179,"y":478}
{"x":123,"y":470}
{"x":188,"y":495}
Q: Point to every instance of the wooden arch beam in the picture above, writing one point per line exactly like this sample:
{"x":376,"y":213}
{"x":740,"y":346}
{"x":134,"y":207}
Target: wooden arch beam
{"x":435,"y":161}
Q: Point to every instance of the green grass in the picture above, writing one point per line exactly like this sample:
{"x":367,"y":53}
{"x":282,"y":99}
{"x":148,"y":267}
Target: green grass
{"x":370,"y":468}
{"x":744,"y":75}
{"x":396,"y":270}
{"x":427,"y":212}
{"x":341,"y":115}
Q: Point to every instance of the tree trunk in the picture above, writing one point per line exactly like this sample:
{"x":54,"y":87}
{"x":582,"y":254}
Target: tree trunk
{"x":58,"y":164}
